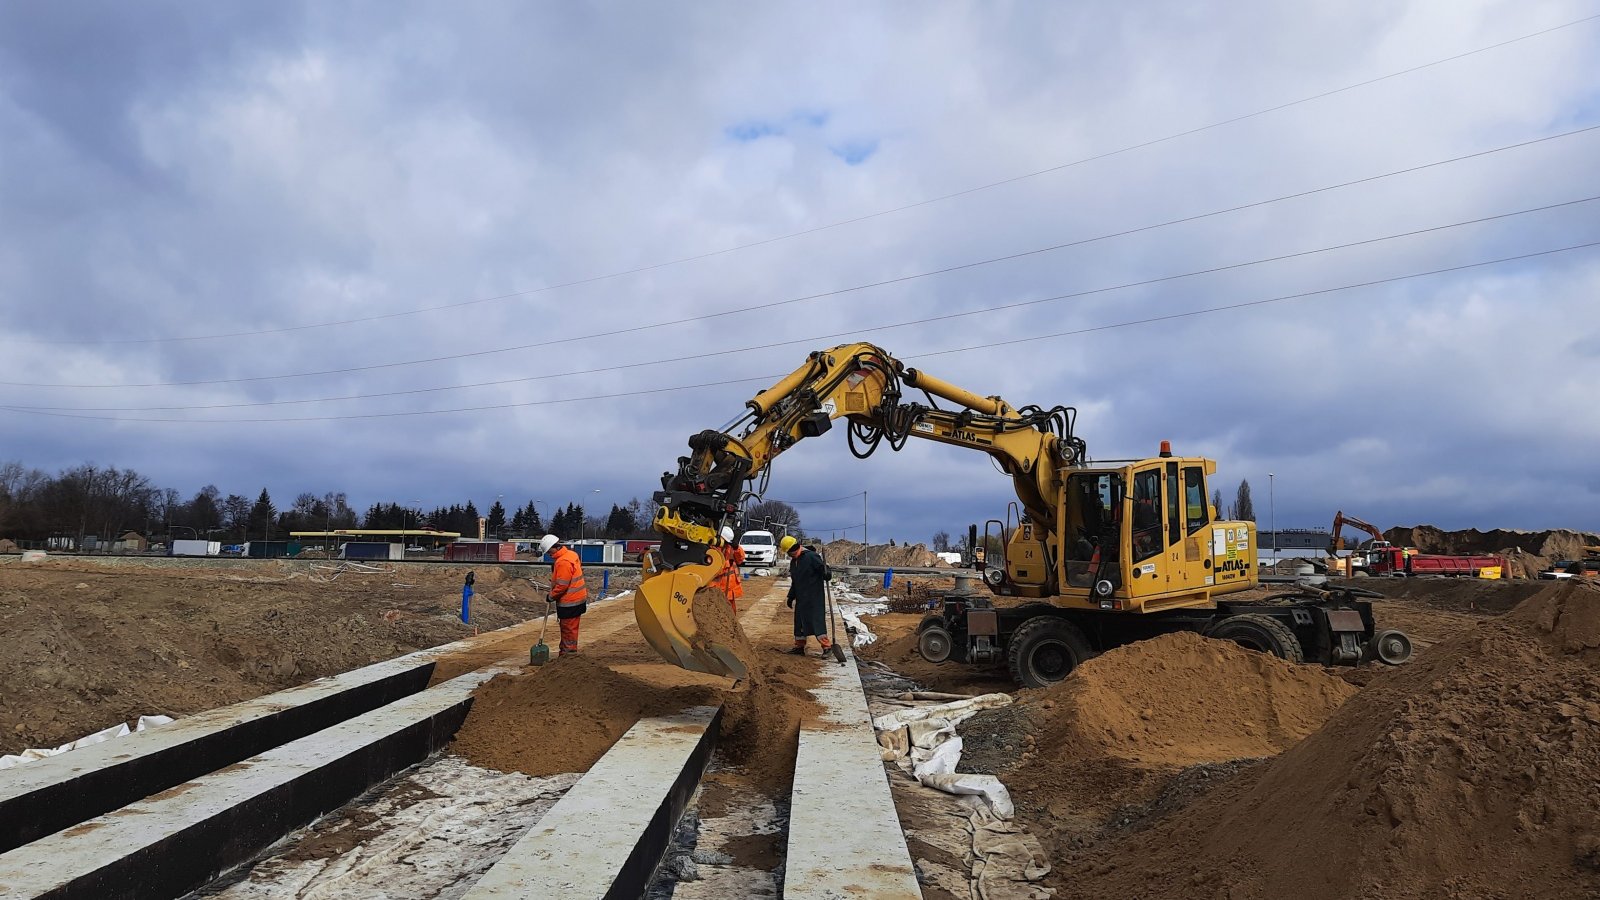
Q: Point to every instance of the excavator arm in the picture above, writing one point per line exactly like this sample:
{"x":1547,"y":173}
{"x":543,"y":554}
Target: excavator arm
{"x":866,"y":386}
{"x":1336,"y":542}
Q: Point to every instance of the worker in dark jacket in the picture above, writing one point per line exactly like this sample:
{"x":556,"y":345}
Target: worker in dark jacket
{"x":808,"y":576}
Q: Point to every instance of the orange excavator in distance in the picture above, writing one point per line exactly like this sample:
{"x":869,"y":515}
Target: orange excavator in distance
{"x":1348,"y":565}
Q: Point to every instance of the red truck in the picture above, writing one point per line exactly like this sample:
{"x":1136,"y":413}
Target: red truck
{"x":1396,"y":561}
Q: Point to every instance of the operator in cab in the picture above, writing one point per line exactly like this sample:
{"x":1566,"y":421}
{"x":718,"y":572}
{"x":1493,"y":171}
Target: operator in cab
{"x":808,"y":576}
{"x":728,"y":581}
{"x":567,"y":590}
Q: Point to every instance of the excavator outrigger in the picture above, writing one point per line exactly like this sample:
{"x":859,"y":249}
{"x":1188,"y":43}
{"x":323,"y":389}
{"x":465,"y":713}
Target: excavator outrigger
{"x":1108,"y":552}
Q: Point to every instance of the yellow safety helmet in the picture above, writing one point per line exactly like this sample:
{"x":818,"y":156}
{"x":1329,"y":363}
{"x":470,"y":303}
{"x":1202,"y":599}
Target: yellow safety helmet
{"x":787,"y":544}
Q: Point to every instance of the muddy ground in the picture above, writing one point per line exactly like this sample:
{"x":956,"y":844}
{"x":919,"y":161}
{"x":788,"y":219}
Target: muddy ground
{"x":90,"y":643}
{"x":1127,"y":771}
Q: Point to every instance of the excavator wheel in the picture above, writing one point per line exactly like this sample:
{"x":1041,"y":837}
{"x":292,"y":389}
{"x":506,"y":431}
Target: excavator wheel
{"x":1392,"y":648}
{"x":1262,"y":633}
{"x":935,"y":643}
{"x":1045,"y":650}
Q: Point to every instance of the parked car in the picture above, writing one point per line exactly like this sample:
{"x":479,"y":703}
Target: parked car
{"x":760,"y":548}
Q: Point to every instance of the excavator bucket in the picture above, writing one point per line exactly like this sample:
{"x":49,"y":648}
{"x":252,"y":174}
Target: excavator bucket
{"x":664,"y":609}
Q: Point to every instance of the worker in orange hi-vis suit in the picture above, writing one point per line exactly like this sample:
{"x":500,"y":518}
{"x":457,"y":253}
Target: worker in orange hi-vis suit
{"x":567,"y":590}
{"x":728,"y":580}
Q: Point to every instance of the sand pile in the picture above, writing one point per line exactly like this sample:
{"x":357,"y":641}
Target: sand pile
{"x":1130,"y":718}
{"x":1529,"y":552}
{"x":563,"y":716}
{"x":1471,"y":772}
{"x":842,"y":552}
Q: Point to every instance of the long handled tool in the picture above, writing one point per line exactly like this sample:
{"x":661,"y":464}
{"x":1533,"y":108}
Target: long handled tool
{"x":539,"y":653}
{"x":833,"y":631}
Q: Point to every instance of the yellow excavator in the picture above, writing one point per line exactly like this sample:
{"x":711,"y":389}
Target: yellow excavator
{"x":1095,"y":554}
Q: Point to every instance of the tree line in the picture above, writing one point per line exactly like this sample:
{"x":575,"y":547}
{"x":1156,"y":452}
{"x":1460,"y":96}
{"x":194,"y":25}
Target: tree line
{"x":107,"y":502}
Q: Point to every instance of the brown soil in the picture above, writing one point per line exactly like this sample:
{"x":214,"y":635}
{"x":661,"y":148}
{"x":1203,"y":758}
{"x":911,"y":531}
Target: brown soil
{"x":1470,"y":772}
{"x":1131,"y":718}
{"x":91,"y":644}
{"x":1459,"y":594}
{"x":563,"y":716}
{"x":592,"y":699}
{"x":715,"y":624}
{"x":896,"y":648}
{"x":916,"y":556}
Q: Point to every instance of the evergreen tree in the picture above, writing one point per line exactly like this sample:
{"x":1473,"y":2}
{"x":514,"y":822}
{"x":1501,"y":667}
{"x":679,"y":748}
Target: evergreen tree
{"x":620,"y":523}
{"x":262,"y":514}
{"x":1244,"y":510}
{"x":497,"y":520}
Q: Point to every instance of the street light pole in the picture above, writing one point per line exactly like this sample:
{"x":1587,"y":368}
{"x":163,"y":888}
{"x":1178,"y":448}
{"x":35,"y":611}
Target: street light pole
{"x":1272,"y":512}
{"x":864,"y":540}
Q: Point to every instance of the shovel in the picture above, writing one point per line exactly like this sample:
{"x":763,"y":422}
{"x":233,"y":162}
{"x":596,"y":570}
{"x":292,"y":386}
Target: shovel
{"x":539,"y":653}
{"x":838,"y":651}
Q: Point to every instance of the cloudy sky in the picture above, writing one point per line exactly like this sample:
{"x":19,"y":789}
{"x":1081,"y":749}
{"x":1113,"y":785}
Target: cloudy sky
{"x":290,"y":245}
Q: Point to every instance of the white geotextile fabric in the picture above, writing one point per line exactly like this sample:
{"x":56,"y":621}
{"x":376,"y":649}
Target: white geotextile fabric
{"x":923,"y":740}
{"x":104,"y":734}
{"x":853,"y":608}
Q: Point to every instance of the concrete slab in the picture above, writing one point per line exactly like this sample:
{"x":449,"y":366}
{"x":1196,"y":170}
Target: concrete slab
{"x":178,"y":840}
{"x":607,"y":835}
{"x":44,"y":796}
{"x":844,"y":836}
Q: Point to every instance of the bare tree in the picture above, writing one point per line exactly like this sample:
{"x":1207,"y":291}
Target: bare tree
{"x":772,"y":515}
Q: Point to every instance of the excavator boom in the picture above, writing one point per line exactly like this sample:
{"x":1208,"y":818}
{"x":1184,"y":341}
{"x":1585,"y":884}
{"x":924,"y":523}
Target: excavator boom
{"x":866,"y":386}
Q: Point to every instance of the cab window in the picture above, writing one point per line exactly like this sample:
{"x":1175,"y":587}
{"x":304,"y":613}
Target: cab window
{"x":1194,"y":498}
{"x":1174,"y":495}
{"x":1147,"y":514}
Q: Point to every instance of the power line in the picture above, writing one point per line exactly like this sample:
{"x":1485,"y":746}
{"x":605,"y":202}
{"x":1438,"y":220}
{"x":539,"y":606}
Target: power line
{"x":842,"y":222}
{"x":810,"y":502}
{"x":703,"y":354}
{"x":833,"y":293}
{"x":923,"y":355}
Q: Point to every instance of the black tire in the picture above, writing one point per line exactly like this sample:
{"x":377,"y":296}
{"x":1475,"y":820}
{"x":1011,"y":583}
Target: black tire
{"x":1045,"y":650}
{"x":935,"y":643}
{"x":1261,"y":633}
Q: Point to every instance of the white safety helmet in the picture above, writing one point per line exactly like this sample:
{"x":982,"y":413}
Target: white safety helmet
{"x":546,"y":542}
{"x":727,"y":534}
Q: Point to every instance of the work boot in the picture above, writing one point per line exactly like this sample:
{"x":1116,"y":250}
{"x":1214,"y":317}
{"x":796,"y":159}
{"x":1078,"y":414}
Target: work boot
{"x":798,"y":651}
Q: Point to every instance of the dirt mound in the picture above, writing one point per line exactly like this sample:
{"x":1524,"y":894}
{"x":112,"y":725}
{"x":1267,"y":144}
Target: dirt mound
{"x":918,"y":556}
{"x":1470,"y":772}
{"x":597,"y":696}
{"x":1182,"y":699}
{"x":508,"y":728}
{"x":1528,"y":551}
{"x":1455,"y":594}
{"x":1129,"y":719}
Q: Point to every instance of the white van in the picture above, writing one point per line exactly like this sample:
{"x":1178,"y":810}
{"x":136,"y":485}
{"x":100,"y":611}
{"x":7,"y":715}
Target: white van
{"x":760,"y":548}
